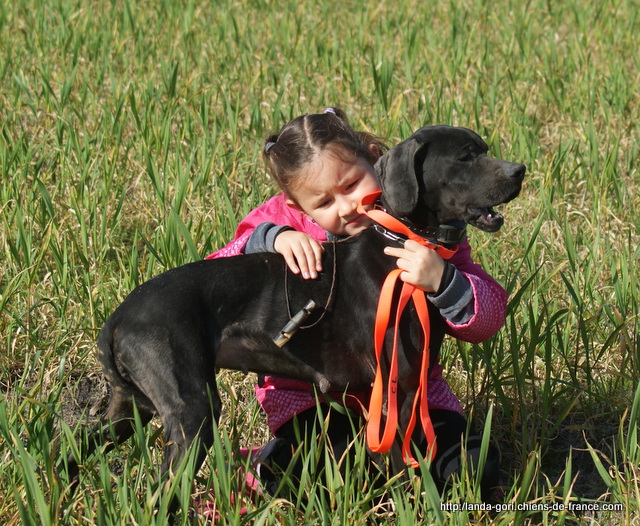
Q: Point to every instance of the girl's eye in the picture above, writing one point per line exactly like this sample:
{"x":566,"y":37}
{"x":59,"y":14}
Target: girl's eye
{"x":352,"y":184}
{"x":325,"y":203}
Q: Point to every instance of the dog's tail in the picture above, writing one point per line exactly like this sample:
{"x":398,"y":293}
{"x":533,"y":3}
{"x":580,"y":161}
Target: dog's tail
{"x":107,"y":357}
{"x":123,"y":392}
{"x":123,"y":396}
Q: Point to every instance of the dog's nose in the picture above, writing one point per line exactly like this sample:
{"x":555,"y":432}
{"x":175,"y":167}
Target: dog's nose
{"x":517,"y":171}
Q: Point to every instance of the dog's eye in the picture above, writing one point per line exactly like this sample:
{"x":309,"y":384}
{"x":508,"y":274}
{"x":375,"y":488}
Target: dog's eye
{"x":466,"y":157}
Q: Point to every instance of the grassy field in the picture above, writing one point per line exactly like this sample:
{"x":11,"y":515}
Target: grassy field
{"x":130,"y":139}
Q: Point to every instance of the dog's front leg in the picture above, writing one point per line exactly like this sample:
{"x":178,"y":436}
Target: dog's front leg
{"x":247,"y":350}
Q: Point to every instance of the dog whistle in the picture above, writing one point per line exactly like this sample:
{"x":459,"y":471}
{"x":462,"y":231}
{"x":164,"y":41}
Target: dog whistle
{"x":294,"y":324}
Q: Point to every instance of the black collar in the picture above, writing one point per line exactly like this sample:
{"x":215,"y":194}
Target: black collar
{"x":452,"y":233}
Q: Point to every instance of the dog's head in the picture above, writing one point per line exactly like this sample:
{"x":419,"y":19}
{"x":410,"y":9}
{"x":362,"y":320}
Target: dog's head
{"x":443,"y":174}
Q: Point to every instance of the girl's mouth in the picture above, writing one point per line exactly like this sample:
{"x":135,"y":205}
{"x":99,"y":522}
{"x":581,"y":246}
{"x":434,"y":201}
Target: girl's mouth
{"x":360,"y":222}
{"x":356,"y":219}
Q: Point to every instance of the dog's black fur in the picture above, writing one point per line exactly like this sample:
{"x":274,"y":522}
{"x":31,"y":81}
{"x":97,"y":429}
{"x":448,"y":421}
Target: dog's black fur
{"x":163,"y":344}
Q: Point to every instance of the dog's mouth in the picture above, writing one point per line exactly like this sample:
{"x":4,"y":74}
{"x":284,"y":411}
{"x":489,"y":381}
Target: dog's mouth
{"x":485,"y":218}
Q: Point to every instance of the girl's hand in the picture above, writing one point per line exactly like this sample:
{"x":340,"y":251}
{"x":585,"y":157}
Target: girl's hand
{"x":422,"y":266}
{"x":302,"y":253}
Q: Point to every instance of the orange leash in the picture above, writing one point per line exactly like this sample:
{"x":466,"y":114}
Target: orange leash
{"x":408,"y":292}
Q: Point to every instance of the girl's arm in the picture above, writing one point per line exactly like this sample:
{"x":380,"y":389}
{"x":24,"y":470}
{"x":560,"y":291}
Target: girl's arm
{"x":489,"y":303}
{"x":472,"y":303}
{"x":275,"y":210}
{"x":301,"y":252}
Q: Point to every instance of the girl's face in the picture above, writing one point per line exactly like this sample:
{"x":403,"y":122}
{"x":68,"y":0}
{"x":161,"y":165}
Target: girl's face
{"x":330,"y":190}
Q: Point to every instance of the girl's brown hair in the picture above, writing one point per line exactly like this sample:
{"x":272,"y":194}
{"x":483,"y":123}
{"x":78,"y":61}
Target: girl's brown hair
{"x":288,"y":152}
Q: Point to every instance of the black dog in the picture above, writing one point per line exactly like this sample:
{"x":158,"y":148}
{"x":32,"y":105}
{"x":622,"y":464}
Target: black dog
{"x":162,"y":345}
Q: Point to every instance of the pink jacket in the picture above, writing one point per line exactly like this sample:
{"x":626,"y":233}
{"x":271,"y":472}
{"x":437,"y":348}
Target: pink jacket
{"x":282,"y":398}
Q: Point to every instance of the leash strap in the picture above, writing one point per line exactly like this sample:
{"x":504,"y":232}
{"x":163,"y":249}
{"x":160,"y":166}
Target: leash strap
{"x":420,"y":408}
{"x":421,"y":397}
{"x":383,"y":315}
{"x":377,"y":406}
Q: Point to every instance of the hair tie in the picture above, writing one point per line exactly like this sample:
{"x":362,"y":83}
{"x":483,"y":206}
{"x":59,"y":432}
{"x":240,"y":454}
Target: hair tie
{"x":330,"y":110}
{"x":268,"y":146}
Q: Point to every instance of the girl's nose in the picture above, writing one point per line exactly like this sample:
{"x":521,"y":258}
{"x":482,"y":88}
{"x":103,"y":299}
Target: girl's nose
{"x":346,"y":206}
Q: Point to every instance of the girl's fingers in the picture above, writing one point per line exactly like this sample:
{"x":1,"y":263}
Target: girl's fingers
{"x":318,"y":249}
{"x":291,"y":263}
{"x":309,"y":258}
{"x":422,"y":266}
{"x":301,"y":252}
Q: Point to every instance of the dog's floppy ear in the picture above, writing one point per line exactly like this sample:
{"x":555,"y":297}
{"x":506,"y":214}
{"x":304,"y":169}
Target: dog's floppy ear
{"x":396,"y":173}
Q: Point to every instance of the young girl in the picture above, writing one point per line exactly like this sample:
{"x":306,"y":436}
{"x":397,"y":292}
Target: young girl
{"x":324,"y":168}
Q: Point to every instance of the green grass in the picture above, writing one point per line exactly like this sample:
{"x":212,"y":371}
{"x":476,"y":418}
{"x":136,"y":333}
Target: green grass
{"x":130,"y":137}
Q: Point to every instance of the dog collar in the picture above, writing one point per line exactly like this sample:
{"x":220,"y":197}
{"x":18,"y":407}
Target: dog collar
{"x":399,"y":231}
{"x":452,"y":233}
